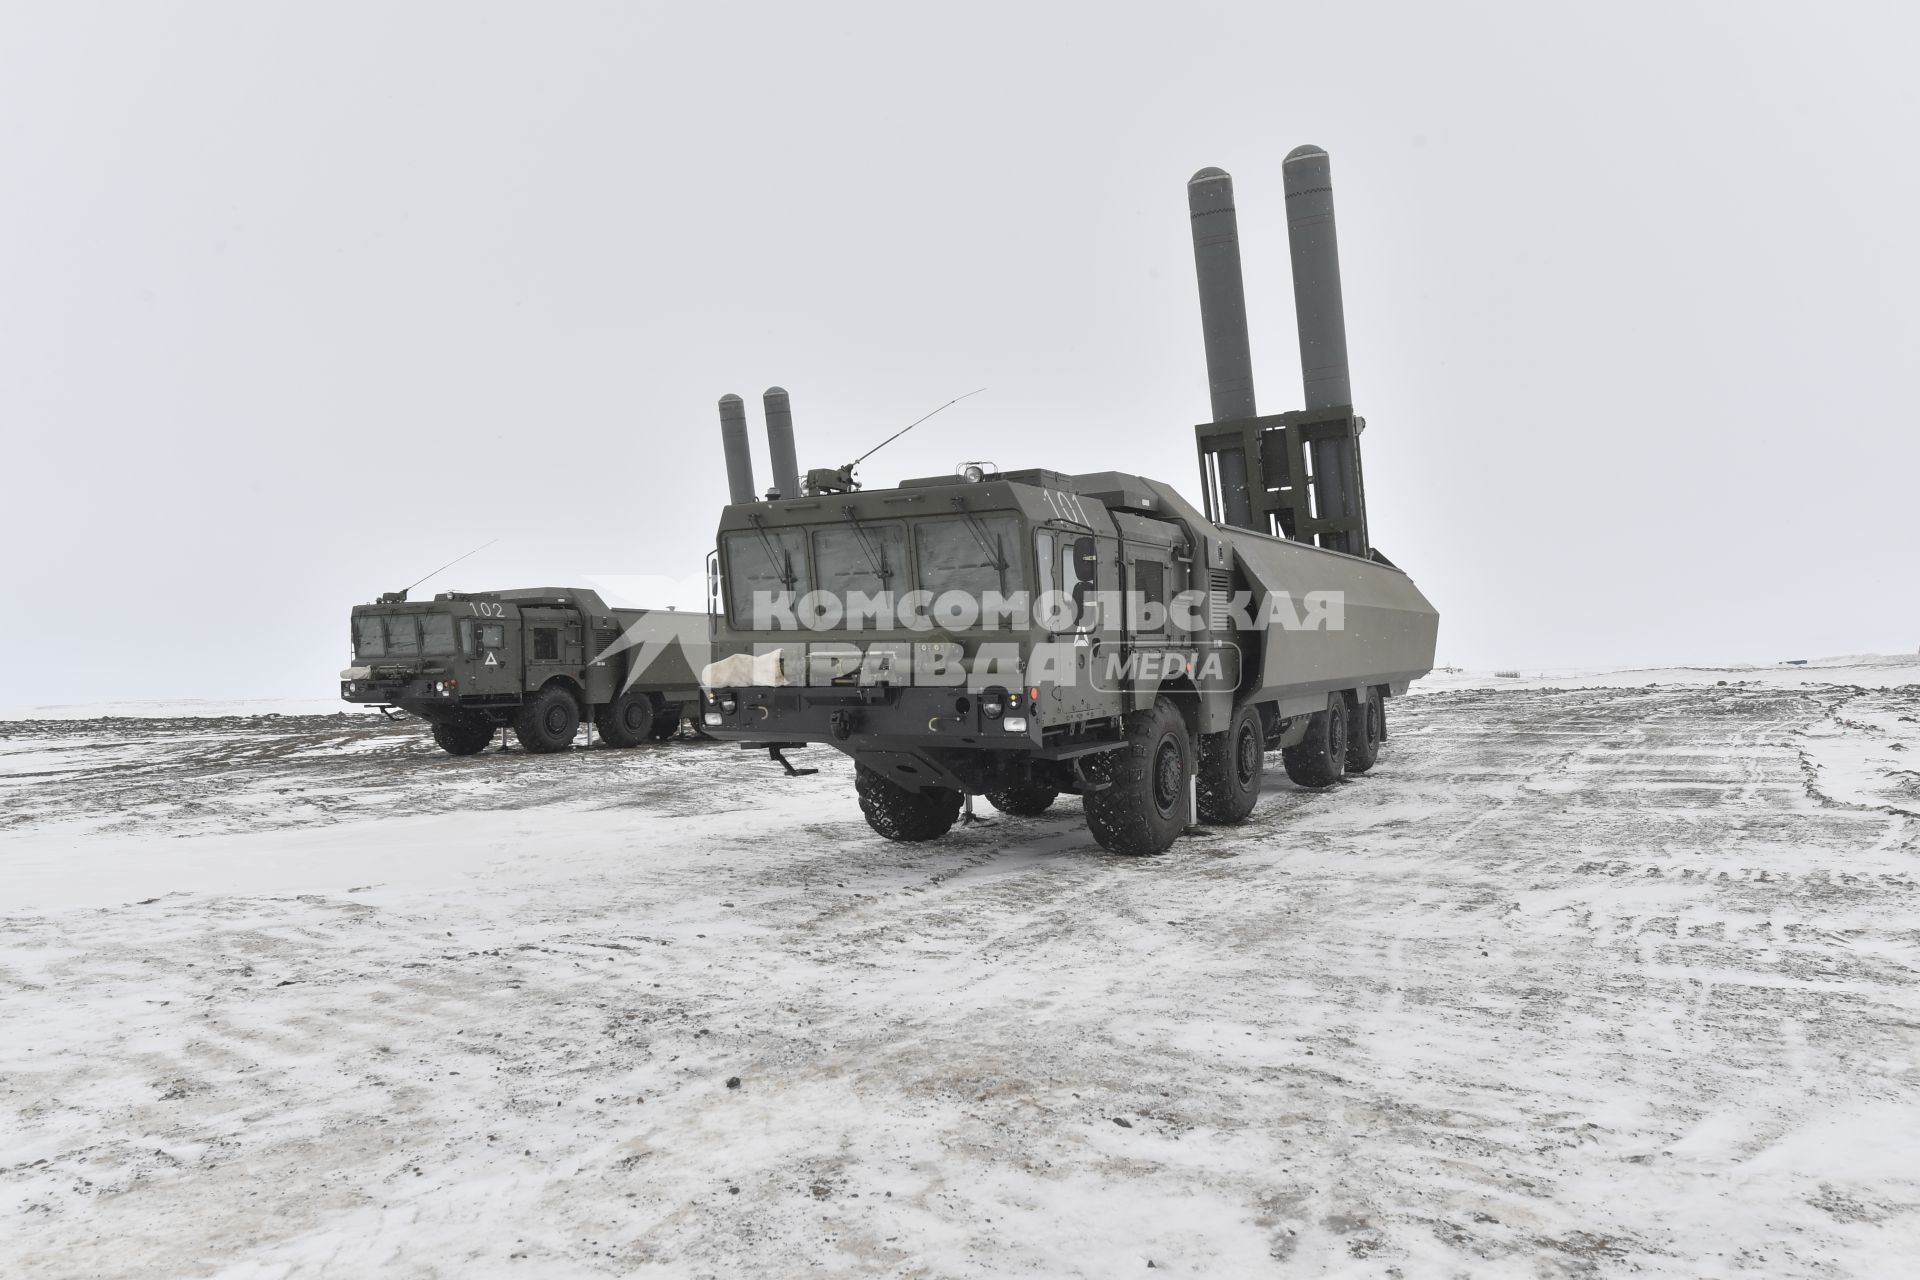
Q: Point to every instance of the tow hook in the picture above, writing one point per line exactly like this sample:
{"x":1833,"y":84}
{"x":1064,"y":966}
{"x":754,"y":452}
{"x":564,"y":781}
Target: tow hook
{"x":777,"y":754}
{"x":841,"y":724}
{"x":1083,"y":781}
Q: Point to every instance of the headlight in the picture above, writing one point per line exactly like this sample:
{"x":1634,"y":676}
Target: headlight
{"x":713,"y":717}
{"x":992,"y":709}
{"x":439,"y":686}
{"x":728,"y":705}
{"x":1015,"y":724}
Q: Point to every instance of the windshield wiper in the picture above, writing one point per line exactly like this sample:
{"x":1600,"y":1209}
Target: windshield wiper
{"x":875,"y":552}
{"x":995,"y":556}
{"x":782,"y":562}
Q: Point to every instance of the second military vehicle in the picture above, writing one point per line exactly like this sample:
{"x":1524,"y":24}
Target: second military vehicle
{"x":539,"y":660}
{"x":1024,"y":634}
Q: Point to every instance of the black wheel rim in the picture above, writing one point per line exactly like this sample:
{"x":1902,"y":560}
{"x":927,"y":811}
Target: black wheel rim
{"x":556,"y":720}
{"x":1169,"y":776}
{"x":638,"y":718}
{"x":1246,"y":755}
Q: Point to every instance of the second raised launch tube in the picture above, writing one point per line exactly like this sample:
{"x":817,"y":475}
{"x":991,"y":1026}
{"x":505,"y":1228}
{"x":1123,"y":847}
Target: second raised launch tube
{"x":1315,"y":251}
{"x":780,"y":451}
{"x":1322,"y":318}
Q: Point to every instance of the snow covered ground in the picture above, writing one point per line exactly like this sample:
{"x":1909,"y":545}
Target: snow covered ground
{"x":1588,"y":978}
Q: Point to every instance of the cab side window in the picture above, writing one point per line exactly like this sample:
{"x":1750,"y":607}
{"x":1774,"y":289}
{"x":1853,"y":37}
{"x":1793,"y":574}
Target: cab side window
{"x":478,"y":638}
{"x":546,"y":644}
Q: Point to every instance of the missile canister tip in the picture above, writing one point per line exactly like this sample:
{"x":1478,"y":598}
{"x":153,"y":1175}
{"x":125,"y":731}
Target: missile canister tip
{"x":1306,"y":151}
{"x":730,"y":398}
{"x":1208,"y":174}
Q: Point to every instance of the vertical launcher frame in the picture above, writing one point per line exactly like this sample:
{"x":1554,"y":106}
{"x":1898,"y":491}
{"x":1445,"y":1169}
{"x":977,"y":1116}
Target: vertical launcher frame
{"x":1286,"y":496}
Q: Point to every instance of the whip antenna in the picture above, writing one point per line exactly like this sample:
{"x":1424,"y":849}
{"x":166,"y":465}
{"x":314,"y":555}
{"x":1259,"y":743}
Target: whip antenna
{"x":448,"y":565}
{"x":910,"y":426}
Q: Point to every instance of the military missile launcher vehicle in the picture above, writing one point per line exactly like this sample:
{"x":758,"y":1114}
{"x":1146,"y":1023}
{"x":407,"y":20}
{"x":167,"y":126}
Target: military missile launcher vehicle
{"x":538,"y":660}
{"x":1028,"y":633}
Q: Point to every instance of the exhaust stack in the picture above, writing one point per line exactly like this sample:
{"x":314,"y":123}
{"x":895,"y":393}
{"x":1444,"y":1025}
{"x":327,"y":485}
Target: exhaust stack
{"x":1223,"y":324}
{"x":733,"y":440}
{"x":786,"y":465}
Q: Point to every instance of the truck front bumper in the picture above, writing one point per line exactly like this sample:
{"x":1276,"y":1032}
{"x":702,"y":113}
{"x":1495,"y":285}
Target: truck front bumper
{"x":417,"y":693}
{"x":855,"y":718}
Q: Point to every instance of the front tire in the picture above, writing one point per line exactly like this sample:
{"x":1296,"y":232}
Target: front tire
{"x":1232,"y":765}
{"x":626,"y":721}
{"x":1144,"y":809}
{"x":462,"y":737}
{"x":548,"y":721}
{"x":1320,"y":758}
{"x":900,"y":814}
{"x":1026,"y":799}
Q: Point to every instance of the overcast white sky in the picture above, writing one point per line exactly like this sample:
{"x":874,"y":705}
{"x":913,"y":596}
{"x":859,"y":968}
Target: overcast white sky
{"x":299,"y":301}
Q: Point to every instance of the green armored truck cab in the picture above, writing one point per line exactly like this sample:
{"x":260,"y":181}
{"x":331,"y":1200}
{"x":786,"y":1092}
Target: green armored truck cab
{"x":538,"y":660}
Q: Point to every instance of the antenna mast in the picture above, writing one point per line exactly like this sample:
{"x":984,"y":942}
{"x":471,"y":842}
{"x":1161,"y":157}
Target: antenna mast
{"x":402,"y":593}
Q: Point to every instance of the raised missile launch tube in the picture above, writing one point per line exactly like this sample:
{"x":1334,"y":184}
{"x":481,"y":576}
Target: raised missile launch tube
{"x":1223,"y":323}
{"x":1322,"y":317}
{"x":1315,"y":251}
{"x":786,"y":465}
{"x":733,"y":440}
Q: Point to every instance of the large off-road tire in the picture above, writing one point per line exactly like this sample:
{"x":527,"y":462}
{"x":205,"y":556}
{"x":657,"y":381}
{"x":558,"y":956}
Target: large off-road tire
{"x":1232,"y":763}
{"x":462,"y":737}
{"x":666,"y":722}
{"x":900,"y":814}
{"x":1144,"y":809}
{"x":627,"y":720}
{"x":1320,"y":758}
{"x":1366,"y":728}
{"x":1025,"y":799}
{"x":548,"y":721}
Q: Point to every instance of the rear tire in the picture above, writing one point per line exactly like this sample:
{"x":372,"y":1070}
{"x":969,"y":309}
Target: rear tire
{"x":900,"y":814}
{"x":1144,"y":809}
{"x":627,"y":720}
{"x":1232,"y":765}
{"x":1365,"y":730}
{"x":666,"y":723}
{"x":548,"y":721}
{"x":1320,"y":758}
{"x":1026,"y":799}
{"x":462,"y":737}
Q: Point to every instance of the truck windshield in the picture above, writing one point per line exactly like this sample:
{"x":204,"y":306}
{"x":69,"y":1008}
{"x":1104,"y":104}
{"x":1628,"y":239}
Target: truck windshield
{"x":402,"y":635}
{"x":973,"y":554}
{"x":768,"y":563}
{"x":869,"y":558}
{"x":436,"y":633}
